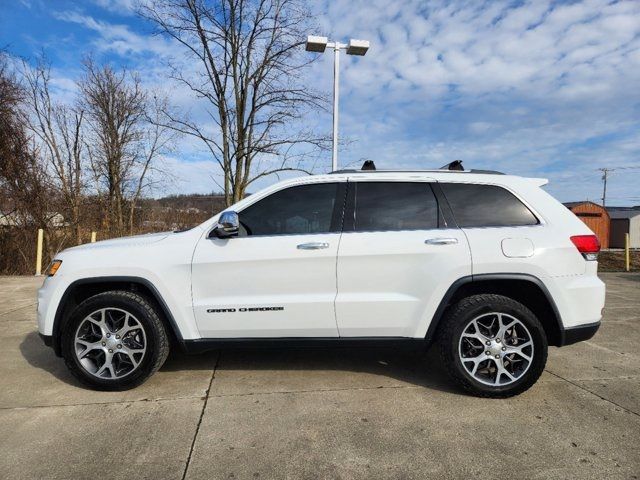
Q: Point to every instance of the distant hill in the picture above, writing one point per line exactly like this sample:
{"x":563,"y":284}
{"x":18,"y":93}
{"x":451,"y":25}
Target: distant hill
{"x":174,"y":212}
{"x":209,"y":204}
{"x":178,"y":211}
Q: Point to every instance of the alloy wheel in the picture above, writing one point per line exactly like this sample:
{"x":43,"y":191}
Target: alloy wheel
{"x":110,"y":343}
{"x":496,"y":349}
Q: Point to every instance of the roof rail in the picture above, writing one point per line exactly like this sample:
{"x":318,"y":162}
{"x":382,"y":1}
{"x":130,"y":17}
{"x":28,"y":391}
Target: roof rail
{"x":491,"y":172}
{"x":453,"y":167}
{"x":435,"y":170}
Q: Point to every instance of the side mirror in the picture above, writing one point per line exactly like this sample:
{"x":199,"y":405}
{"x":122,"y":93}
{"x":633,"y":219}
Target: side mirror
{"x":228,"y":225}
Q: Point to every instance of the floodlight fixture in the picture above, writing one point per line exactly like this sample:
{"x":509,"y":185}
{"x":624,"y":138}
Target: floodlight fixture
{"x":354,"y":47}
{"x":316,"y":44}
{"x":357,"y":47}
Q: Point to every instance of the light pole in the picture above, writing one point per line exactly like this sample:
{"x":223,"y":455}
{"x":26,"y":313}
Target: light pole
{"x":354,"y":47}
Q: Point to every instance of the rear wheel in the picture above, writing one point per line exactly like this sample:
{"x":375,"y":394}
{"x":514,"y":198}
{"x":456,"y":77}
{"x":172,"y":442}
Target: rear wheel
{"x":114,"y":341}
{"x":492,"y":345}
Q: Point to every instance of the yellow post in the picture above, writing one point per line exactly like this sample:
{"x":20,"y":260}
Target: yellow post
{"x":93,"y":237}
{"x":627,"y":255}
{"x":39,"y":252}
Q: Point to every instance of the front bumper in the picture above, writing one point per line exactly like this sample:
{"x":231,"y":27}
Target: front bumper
{"x":48,"y":299}
{"x":45,"y":299}
{"x":579,"y":333}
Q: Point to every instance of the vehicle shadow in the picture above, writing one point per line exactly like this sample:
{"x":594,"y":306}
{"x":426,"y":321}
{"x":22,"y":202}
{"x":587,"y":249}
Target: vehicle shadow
{"x":333,"y":367}
{"x":330,"y":366}
{"x":42,"y":357}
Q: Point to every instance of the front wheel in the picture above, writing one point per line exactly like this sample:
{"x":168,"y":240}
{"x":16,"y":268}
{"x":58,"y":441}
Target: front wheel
{"x":493,"y":346}
{"x":114,"y":341}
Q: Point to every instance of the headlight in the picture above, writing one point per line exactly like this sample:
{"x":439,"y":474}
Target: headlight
{"x":53,"y":267}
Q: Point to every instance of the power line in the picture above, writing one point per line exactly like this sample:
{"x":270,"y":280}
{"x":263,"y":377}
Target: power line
{"x":605,"y":175}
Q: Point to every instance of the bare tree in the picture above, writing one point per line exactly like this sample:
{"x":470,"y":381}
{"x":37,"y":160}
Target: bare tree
{"x":58,"y":128}
{"x":124,"y":143}
{"x":23,"y":182}
{"x":157,"y":139}
{"x":11,"y":133}
{"x":248,"y":77}
{"x":49,"y":151}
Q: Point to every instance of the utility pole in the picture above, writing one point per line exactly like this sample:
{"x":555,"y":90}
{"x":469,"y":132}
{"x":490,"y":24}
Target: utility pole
{"x":605,"y":176}
{"x":605,"y":172}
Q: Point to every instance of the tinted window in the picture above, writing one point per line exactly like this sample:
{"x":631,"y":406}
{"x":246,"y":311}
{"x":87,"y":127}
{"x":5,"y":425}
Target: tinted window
{"x":486,"y":206}
{"x":394,"y":206}
{"x":295,"y":210}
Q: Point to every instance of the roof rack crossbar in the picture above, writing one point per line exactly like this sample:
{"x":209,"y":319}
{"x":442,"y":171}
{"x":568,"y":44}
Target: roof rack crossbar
{"x":436,"y":170}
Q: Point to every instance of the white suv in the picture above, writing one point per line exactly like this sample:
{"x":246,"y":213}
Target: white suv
{"x":489,"y":265}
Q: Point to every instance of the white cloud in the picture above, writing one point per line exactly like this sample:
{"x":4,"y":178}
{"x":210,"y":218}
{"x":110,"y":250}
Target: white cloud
{"x":528,"y":88}
{"x":510,"y":49}
{"x":535,"y":88}
{"x":118,"y":39}
{"x":192,"y":176}
{"x":122,"y":7}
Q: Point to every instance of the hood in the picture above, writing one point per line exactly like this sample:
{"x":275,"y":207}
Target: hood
{"x":134,"y":241}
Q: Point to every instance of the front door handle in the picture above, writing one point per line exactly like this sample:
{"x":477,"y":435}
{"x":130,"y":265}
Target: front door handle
{"x":313,"y":246}
{"x":441,"y":241}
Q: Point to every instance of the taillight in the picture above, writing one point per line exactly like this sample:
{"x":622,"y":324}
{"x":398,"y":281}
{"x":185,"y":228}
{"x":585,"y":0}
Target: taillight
{"x":587,"y":245}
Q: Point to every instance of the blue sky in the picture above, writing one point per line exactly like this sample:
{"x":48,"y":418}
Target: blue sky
{"x":546,"y":89}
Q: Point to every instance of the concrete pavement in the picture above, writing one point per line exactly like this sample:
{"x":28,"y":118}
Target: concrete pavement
{"x":321,"y":413}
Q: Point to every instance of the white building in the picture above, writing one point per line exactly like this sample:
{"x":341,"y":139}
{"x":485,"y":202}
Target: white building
{"x":624,"y":220}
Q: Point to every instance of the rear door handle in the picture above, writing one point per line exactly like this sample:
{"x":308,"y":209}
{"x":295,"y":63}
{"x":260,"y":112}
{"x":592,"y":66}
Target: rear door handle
{"x":441,"y":241}
{"x":313,"y":246}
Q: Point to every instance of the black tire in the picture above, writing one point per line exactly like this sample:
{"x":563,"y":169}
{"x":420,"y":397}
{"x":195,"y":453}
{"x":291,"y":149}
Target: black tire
{"x":157,"y":341}
{"x":456,"y":321}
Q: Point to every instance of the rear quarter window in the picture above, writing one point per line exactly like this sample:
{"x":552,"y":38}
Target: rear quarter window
{"x":476,"y":205}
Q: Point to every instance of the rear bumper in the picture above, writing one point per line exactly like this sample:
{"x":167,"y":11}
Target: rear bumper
{"x":579,"y":333}
{"x":579,"y":299}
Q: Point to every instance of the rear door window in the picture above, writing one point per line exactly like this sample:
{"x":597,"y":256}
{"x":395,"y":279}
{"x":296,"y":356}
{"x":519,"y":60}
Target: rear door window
{"x":393,"y":206}
{"x":486,"y":206}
